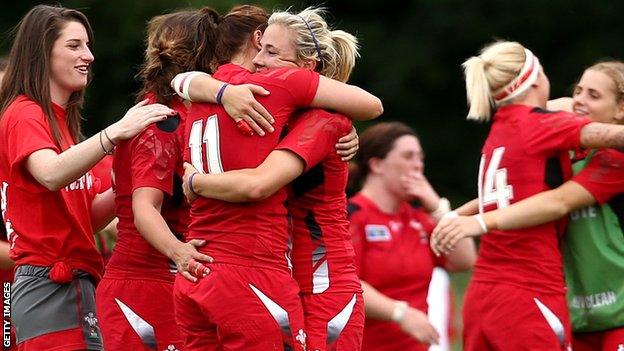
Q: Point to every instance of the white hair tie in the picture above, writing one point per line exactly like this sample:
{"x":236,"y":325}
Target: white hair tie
{"x":527,"y":76}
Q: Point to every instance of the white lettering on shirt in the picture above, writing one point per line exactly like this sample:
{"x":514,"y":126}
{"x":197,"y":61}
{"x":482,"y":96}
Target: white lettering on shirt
{"x":585,"y":212}
{"x":84,"y":182}
{"x":592,"y":301}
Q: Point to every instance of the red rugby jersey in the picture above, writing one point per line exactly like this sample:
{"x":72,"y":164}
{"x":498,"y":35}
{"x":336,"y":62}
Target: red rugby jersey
{"x":603,"y":176}
{"x":525,"y":153}
{"x":254,"y":233}
{"x":393,"y":255}
{"x":152,"y":159}
{"x":44,"y":227}
{"x":323,"y":256}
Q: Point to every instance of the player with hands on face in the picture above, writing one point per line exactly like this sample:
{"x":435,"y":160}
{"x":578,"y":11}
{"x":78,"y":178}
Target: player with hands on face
{"x":391,"y":239}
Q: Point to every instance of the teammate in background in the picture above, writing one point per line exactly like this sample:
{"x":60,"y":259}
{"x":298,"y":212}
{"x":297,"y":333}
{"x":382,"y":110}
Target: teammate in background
{"x":593,"y":246}
{"x":48,"y":201}
{"x":391,"y":238}
{"x":249,"y":241}
{"x":323,"y":257}
{"x":516,"y":299}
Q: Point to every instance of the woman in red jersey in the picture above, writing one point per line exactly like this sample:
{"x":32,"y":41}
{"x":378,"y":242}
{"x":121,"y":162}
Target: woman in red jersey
{"x":516,"y":299}
{"x":323,"y":258}
{"x":249,"y":242}
{"x":49,"y":206}
{"x":391,"y":237}
{"x":149,"y":202}
{"x":593,"y":245}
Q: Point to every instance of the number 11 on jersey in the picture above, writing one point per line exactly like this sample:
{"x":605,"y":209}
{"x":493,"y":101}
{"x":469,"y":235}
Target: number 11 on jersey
{"x":494,"y":189}
{"x":209,"y":137}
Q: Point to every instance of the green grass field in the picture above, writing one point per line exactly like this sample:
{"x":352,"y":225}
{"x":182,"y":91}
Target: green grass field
{"x":459,"y":282}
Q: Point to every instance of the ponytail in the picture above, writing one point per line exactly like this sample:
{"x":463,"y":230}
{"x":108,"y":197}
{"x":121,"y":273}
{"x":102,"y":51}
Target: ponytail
{"x":477,"y":90}
{"x":496,"y":77}
{"x":347,"y":51}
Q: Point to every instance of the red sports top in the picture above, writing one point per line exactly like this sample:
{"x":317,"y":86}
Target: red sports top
{"x":253,"y":233}
{"x":323,"y":256}
{"x":45,"y":227}
{"x":392,"y":255}
{"x":152,"y":159}
{"x":603,"y":176}
{"x":525,"y":153}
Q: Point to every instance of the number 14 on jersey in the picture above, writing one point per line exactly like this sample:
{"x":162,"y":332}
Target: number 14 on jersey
{"x":494,"y":189}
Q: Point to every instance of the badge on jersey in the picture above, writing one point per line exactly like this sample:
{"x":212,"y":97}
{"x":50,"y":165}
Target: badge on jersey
{"x":377,"y":232}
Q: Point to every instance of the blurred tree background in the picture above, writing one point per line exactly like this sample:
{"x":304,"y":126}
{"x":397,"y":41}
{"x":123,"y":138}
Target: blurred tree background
{"x":411,"y":57}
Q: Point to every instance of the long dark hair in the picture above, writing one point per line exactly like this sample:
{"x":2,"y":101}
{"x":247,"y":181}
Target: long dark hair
{"x":236,"y":28}
{"x":28,"y":71}
{"x":177,"y":42}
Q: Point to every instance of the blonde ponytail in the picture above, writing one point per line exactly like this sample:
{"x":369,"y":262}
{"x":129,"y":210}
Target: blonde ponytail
{"x":490,"y":73}
{"x":347,"y":51}
{"x":477,"y":90}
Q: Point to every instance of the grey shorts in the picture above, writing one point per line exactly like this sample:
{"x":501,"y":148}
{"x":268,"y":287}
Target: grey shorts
{"x":40,"y":306}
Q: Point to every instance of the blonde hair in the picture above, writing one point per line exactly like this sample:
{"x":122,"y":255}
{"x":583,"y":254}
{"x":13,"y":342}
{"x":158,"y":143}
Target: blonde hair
{"x":334,"y":50}
{"x":497,"y":65}
{"x":615,"y":71}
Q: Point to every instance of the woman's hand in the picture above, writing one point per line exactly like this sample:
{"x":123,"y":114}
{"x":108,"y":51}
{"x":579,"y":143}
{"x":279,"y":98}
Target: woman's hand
{"x":416,"y":324}
{"x":348,"y":145}
{"x":450,"y":230}
{"x":189,"y":261}
{"x":416,"y":185}
{"x":239,"y":102}
{"x":136,"y":119}
{"x":189,"y":170}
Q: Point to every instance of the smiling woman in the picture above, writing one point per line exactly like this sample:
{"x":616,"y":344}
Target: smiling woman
{"x":48,"y":191}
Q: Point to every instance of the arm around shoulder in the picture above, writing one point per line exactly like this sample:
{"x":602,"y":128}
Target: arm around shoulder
{"x":350,"y":100}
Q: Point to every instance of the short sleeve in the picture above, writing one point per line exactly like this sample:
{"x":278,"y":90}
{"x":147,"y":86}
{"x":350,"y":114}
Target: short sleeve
{"x":313,"y":136}
{"x":300,"y":84}
{"x":26,"y":136}
{"x":603,"y":176}
{"x":154,"y":160}
{"x":303,"y":85}
{"x":547,"y":132}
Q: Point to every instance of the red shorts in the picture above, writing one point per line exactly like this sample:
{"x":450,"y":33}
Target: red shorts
{"x":334,"y":321}
{"x":504,"y":317}
{"x":137,"y":315}
{"x":607,"y":340}
{"x":240,"y":308}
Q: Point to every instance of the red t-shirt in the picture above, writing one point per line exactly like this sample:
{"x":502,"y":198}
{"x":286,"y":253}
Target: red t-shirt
{"x":603,"y":176}
{"x":152,"y":159}
{"x":323,"y":256}
{"x":254,"y":233}
{"x":525,"y":153}
{"x":392,"y":255}
{"x":44,"y":227}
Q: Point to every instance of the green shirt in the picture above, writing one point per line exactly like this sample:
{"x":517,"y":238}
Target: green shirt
{"x":593,"y":252}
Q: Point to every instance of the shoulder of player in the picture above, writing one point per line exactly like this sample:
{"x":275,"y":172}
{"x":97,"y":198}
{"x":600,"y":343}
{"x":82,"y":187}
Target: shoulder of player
{"x":611,"y":158}
{"x":23,"y":109}
{"x":279,"y":76}
{"x":321,"y":117}
{"x":562,"y":116}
